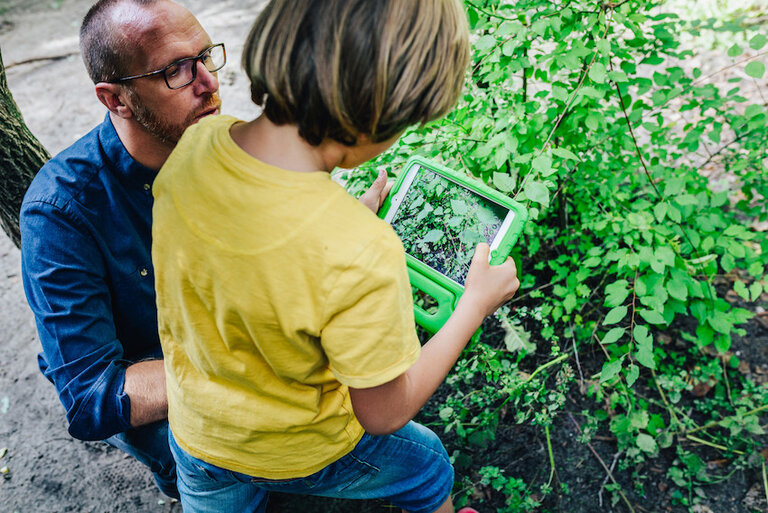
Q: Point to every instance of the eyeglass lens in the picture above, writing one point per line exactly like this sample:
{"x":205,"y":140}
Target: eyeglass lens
{"x":183,"y":72}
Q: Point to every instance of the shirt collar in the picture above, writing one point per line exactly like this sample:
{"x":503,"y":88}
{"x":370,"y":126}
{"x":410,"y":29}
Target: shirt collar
{"x":119,"y":160}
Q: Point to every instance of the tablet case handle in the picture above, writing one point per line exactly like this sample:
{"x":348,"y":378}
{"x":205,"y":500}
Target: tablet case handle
{"x":446,"y":302}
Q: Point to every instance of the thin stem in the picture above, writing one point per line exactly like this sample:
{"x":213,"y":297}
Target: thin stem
{"x":552,"y":456}
{"x":671,"y":411}
{"x":565,"y":110}
{"x":710,"y":444}
{"x":716,"y":423}
{"x":608,"y":471}
{"x":765,"y":483}
{"x":529,"y":378}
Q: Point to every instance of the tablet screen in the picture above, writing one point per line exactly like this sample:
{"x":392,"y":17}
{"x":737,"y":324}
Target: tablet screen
{"x":441,"y":222}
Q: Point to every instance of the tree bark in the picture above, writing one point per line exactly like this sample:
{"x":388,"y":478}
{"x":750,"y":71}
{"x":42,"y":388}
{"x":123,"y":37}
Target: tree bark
{"x":21,"y":156}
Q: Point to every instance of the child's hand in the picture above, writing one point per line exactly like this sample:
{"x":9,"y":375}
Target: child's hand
{"x":374,"y":197}
{"x":487,"y":287}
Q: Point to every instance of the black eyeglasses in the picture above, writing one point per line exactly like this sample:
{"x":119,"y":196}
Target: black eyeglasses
{"x":183,"y":72}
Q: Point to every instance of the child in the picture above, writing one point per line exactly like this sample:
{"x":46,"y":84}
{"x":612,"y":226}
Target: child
{"x":285,"y":311}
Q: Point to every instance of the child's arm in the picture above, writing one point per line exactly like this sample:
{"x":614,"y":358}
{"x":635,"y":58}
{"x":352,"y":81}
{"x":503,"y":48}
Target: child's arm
{"x":386,"y":408}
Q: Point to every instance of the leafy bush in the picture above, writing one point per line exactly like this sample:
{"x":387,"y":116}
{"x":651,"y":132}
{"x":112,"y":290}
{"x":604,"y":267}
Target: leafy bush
{"x":645,"y":183}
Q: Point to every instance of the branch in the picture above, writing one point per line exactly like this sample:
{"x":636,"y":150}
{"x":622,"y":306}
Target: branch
{"x":40,"y":59}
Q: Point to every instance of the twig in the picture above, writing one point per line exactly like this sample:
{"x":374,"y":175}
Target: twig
{"x":493,"y":15}
{"x":605,"y":481}
{"x":578,"y":363}
{"x":608,"y":471}
{"x":634,"y":140}
{"x":40,"y":59}
{"x":727,"y":383}
{"x":567,"y":107}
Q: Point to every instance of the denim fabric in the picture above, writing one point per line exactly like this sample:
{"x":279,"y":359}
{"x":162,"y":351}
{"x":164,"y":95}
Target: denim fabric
{"x":409,"y":468}
{"x":87,"y":272}
{"x":149,"y":445}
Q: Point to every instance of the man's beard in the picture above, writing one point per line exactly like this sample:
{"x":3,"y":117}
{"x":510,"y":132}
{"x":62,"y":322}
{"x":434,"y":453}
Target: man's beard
{"x":164,"y":131}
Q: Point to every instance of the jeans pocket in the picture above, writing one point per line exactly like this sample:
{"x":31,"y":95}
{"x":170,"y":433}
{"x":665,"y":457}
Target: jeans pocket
{"x":357,"y":472}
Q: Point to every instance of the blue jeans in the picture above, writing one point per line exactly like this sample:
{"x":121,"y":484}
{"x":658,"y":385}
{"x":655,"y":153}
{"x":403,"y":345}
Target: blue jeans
{"x":149,"y":445}
{"x":409,"y":468}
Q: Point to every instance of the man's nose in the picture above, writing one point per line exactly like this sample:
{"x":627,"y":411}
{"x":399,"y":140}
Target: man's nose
{"x":205,"y":81}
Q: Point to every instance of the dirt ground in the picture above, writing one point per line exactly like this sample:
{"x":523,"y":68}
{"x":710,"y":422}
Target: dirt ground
{"x":48,"y":471}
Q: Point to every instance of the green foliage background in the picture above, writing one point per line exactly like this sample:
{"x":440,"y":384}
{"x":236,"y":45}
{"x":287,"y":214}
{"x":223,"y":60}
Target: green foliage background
{"x":645,"y":178}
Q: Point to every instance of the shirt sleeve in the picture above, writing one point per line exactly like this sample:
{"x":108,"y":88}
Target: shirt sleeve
{"x":370,"y":338}
{"x":64,"y":281}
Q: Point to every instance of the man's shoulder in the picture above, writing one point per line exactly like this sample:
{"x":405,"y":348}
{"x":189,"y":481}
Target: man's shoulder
{"x":66,"y":175}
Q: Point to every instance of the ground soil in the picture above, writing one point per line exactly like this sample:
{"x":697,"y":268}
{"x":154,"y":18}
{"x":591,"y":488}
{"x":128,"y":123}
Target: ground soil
{"x":48,"y":471}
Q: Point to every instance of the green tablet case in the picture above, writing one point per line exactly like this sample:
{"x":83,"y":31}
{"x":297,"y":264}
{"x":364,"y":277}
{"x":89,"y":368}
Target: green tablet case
{"x":445,"y":291}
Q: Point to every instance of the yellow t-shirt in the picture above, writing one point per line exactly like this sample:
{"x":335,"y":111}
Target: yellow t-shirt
{"x":276,"y":290}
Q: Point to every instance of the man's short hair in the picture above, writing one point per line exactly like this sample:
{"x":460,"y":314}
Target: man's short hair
{"x":106,"y":52}
{"x":343,"y":68}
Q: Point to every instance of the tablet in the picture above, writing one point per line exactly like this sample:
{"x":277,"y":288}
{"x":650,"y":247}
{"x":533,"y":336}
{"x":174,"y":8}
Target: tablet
{"x":440,"y":216}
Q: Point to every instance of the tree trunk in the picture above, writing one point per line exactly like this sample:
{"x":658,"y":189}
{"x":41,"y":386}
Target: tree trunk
{"x":21,"y":156}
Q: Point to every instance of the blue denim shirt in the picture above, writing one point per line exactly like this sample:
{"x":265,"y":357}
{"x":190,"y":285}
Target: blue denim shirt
{"x":87,"y":272}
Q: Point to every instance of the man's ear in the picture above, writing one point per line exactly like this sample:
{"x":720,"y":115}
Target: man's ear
{"x":114,"y":98}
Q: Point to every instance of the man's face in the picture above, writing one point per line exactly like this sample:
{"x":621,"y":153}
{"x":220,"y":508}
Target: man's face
{"x":166,"y":33}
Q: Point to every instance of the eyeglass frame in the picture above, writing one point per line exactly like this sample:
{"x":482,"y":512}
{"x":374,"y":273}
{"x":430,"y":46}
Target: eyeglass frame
{"x":199,"y":57}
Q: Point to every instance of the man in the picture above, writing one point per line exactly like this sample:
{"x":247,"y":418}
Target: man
{"x":86,"y":225}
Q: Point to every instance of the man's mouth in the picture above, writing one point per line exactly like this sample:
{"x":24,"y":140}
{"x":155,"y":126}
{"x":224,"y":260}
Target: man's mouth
{"x":207,"y":112}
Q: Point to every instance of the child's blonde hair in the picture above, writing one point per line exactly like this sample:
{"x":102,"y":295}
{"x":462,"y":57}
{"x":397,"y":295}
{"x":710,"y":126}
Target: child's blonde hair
{"x":343,"y":68}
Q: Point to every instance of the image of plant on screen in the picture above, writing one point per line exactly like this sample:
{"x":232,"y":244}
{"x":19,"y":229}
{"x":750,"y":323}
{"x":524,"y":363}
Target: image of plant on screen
{"x":441,"y":223}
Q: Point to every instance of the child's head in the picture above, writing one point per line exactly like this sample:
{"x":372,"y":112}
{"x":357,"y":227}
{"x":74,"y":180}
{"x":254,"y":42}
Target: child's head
{"x":340,"y":69}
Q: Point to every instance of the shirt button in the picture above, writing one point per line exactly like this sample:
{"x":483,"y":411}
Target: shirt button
{"x":147,"y":187}
{"x":144,"y":272}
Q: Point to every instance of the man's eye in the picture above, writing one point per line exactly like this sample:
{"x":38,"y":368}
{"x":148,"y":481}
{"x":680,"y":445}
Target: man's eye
{"x":172,"y":71}
{"x":206,"y":58}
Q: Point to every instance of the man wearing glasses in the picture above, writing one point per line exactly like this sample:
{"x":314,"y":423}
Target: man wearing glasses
{"x":86,"y":225}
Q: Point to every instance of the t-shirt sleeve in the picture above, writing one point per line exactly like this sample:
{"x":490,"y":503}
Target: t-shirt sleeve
{"x":370,"y":338}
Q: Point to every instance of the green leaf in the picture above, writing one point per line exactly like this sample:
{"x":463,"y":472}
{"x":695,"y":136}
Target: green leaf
{"x":503,"y":182}
{"x":647,"y":443}
{"x":758,"y":42}
{"x":727,"y":262}
{"x":639,"y":419}
{"x":616,"y":293}
{"x":615,"y":315}
{"x":459,"y":207}
{"x":433,"y":236}
{"x":537,"y":192}
{"x":755,"y":69}
{"x":598,"y":72}
{"x":677,"y":288}
{"x":665,"y":255}
{"x":633,"y":372}
{"x":565,"y":154}
{"x":741,"y":289}
{"x":543,"y":164}
{"x":516,"y":338}
{"x":445,"y":413}
{"x":613,"y":335}
{"x":755,"y":290}
{"x":610,"y":370}
{"x":652,"y":316}
{"x":735,"y":51}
